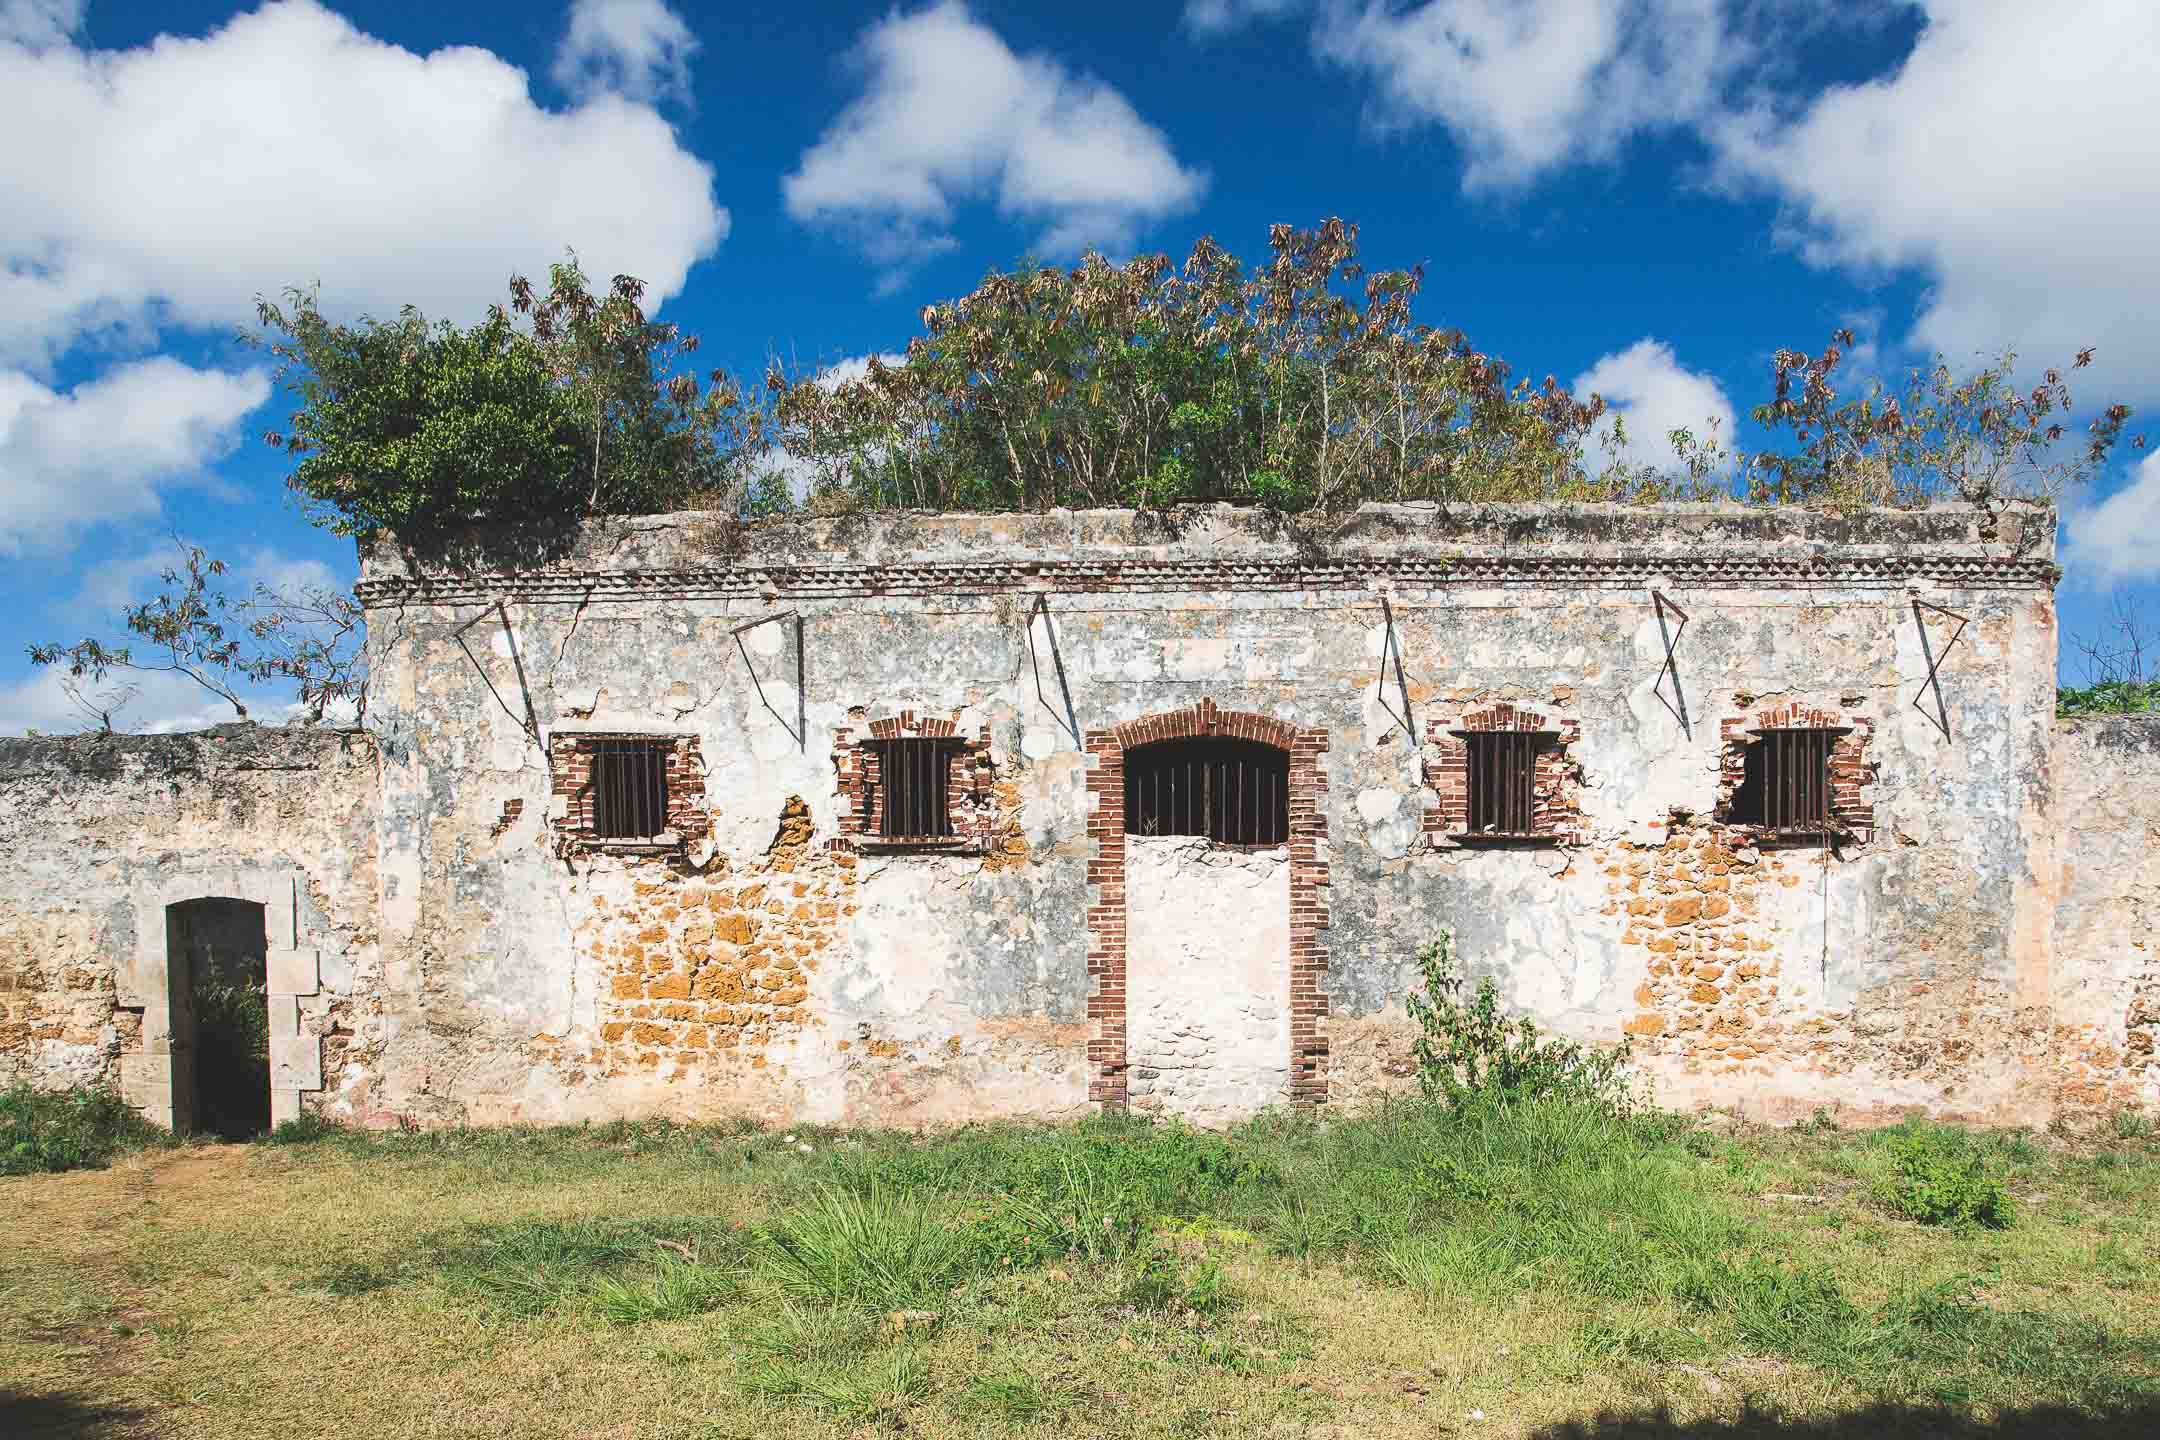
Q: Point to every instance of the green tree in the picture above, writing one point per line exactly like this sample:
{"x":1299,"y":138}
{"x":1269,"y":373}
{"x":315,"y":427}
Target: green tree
{"x":658,"y":436}
{"x":415,"y":428}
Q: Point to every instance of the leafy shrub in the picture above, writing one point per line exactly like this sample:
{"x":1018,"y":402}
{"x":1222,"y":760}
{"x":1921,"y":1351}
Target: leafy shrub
{"x":1471,"y":1050}
{"x":1938,"y":1177}
{"x":2109,"y":697}
{"x":50,"y":1130}
{"x":1157,"y":1277}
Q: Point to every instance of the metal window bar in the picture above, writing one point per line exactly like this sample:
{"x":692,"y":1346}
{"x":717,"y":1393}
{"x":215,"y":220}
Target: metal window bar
{"x":1234,"y":792}
{"x":1503,"y":782}
{"x":916,"y":775}
{"x":629,"y":783}
{"x":1796,"y":781}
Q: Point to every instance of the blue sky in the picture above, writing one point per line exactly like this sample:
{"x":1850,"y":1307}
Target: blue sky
{"x":1646,"y":197}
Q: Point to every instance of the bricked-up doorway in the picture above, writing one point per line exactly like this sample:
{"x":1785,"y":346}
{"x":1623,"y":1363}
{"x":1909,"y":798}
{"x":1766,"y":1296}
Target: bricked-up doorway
{"x":217,"y":957}
{"x":1207,"y":955}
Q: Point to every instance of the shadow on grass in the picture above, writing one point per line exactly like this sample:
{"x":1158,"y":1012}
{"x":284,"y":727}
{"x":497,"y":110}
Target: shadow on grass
{"x":2137,"y":1421}
{"x":49,"y":1416}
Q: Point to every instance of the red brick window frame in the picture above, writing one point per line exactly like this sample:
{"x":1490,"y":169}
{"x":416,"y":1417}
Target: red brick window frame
{"x":1108,"y":1051}
{"x":859,"y":752}
{"x":571,"y":765}
{"x":1556,"y":782}
{"x":1851,"y":771}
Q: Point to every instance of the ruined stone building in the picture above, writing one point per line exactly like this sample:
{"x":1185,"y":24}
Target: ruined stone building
{"x":911,"y":819}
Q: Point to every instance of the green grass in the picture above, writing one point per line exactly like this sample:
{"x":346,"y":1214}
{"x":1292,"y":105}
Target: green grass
{"x":1388,"y":1273}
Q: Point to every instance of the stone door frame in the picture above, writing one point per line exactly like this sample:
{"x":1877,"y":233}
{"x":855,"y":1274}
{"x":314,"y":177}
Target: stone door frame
{"x":293,"y":971}
{"x":1108,"y":1011}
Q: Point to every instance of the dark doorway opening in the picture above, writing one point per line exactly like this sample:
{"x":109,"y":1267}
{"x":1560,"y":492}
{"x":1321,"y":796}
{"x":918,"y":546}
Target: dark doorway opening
{"x":218,"y":954}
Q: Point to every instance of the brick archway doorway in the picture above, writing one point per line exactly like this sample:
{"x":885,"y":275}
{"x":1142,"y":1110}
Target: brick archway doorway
{"x":1206,"y":934}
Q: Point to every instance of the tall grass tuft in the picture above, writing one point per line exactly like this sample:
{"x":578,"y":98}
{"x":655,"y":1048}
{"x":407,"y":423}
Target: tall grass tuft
{"x":871,"y":1249}
{"x":867,"y":1388}
{"x":673,"y":1289}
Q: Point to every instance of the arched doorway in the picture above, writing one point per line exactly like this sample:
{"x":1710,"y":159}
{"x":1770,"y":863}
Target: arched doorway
{"x":217,"y":974}
{"x":1206,"y":933}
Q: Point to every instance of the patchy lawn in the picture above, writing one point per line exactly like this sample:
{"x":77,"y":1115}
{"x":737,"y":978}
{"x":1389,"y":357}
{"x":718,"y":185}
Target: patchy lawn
{"x":1537,"y":1272}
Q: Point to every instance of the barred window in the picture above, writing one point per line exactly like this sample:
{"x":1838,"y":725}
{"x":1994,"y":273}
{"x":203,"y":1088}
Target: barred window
{"x":1503,"y":780}
{"x":1235,"y":792}
{"x":1785,"y":783}
{"x":916,"y":778}
{"x":629,"y":788}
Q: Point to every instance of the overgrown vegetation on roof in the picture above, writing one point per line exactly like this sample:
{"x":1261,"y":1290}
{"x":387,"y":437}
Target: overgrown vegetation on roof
{"x":1305,"y":382}
{"x":2110,"y":697}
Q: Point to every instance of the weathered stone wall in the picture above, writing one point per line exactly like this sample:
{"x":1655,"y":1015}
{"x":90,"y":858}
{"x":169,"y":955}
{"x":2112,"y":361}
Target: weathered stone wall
{"x":454,"y":936}
{"x":2106,"y":978}
{"x":99,"y":834}
{"x":845,"y":979}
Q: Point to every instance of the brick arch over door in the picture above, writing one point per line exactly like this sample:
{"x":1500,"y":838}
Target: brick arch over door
{"x":1107,"y":1000}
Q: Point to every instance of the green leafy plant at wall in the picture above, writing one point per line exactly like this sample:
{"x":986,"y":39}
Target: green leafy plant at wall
{"x":1469,"y":1051}
{"x":1938,"y":1177}
{"x":49,"y":1130}
{"x":2110,"y":697}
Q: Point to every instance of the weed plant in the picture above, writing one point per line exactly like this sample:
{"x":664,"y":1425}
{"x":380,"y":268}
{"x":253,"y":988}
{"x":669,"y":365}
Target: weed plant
{"x":1940,"y":1177}
{"x":43,"y":1131}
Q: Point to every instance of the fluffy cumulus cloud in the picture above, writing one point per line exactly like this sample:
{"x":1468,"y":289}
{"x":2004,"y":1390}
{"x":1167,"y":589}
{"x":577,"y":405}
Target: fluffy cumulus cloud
{"x":2118,"y":539}
{"x":1528,"y":86}
{"x":173,"y":182}
{"x":1654,"y":395}
{"x":37,"y":24}
{"x":949,"y":113}
{"x":101,"y":450}
{"x":636,"y":48}
{"x":2009,"y":158}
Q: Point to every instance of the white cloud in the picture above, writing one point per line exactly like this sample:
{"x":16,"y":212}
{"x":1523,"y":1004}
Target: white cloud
{"x":37,"y":24}
{"x":948,"y":114}
{"x":2117,"y":540}
{"x":1655,"y":395}
{"x":100,"y":450}
{"x":2010,"y":158}
{"x":635,"y":48}
{"x":1528,"y":86}
{"x":1214,"y":17}
{"x":174,"y":182}
{"x":840,"y":372}
{"x":162,"y":703}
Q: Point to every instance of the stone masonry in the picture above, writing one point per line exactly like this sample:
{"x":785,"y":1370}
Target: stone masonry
{"x":1966,"y":928}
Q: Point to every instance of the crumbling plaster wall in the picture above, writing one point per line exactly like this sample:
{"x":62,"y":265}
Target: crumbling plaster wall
{"x":2106,"y":777}
{"x":1915,"y":967}
{"x":99,"y":833}
{"x":1207,"y":977}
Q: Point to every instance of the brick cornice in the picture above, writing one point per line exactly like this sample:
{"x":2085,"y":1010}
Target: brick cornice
{"x":1708,"y":568}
